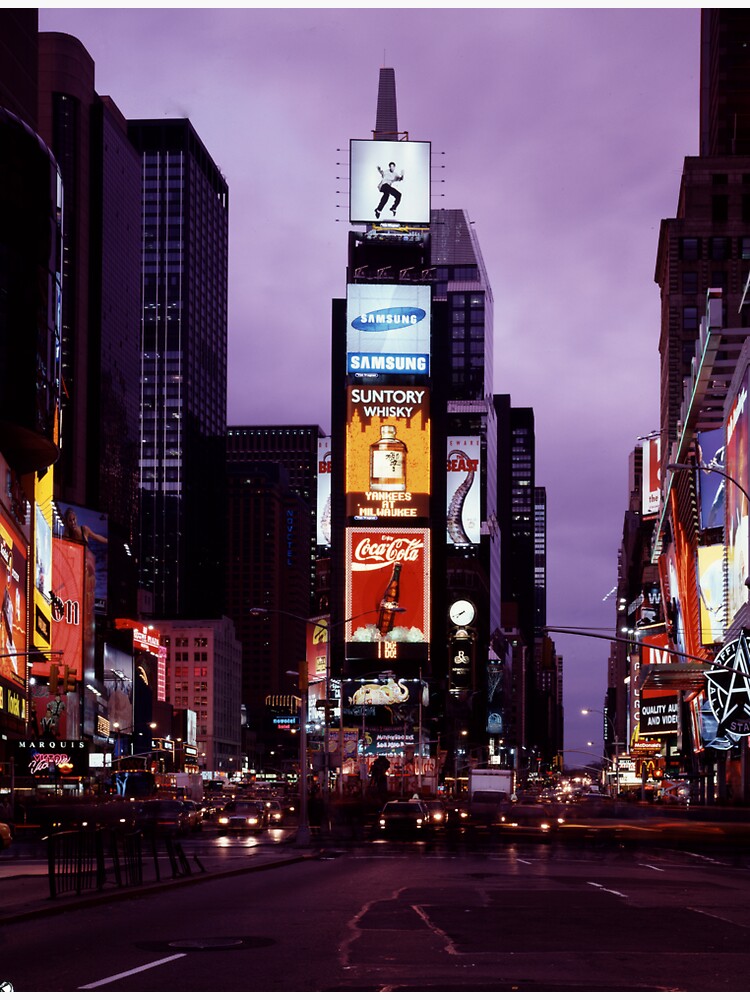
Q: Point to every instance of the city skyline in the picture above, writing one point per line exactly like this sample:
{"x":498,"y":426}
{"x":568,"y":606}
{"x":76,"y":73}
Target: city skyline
{"x":567,"y":183}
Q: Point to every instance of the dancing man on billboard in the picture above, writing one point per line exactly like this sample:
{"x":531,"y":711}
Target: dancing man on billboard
{"x":388,"y":178}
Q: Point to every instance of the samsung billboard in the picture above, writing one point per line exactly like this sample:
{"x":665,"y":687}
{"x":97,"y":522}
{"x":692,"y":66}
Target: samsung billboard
{"x":389,"y":181}
{"x":388,"y":330}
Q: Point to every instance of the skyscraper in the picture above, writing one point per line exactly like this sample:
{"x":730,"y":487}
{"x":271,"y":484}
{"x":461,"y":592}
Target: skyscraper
{"x":184,"y":368}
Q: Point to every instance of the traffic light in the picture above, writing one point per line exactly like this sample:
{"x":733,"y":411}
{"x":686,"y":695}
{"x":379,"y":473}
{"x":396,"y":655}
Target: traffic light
{"x":70,"y":679}
{"x":303,"y":675}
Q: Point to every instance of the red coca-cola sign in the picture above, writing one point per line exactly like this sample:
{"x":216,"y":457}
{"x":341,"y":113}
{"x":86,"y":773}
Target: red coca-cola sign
{"x":373,"y":587}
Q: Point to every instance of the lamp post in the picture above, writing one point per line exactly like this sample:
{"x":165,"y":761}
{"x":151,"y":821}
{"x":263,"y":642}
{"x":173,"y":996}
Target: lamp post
{"x":607,"y":717}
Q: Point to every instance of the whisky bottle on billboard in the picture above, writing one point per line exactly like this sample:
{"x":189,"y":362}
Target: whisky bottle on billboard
{"x":388,"y":462}
{"x":389,"y":602}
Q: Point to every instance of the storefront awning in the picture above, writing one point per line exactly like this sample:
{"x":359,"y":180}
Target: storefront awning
{"x":690,"y":676}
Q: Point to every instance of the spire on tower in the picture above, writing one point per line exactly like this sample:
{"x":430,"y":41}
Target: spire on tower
{"x":386,"y":122}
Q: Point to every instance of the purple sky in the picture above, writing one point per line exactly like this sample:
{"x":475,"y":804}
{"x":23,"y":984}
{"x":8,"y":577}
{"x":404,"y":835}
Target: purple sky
{"x":563,"y":133}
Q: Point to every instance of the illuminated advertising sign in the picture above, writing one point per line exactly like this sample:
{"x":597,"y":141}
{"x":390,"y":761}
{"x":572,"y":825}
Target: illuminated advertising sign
{"x":118,"y":686}
{"x":736,"y":501}
{"x":711,"y":486}
{"x":317,"y":659}
{"x":324,"y":492}
{"x":660,"y":716}
{"x":383,"y":700}
{"x":387,"y":452}
{"x":13,"y":622}
{"x":728,"y":694}
{"x":711,"y":592}
{"x":463,"y":520}
{"x":41,"y":632}
{"x":389,"y":181}
{"x":388,"y":330}
{"x":90,"y":529}
{"x":387,"y":593}
{"x":44,"y":758}
{"x":651,"y":484}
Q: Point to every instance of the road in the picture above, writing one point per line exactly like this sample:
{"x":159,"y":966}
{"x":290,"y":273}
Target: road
{"x":410,"y":917}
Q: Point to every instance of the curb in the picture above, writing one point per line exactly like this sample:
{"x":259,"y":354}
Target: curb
{"x":133,"y":892}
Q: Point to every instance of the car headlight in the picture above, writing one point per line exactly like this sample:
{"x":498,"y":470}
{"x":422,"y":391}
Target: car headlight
{"x":382,"y":823}
{"x":252,"y":820}
{"x":438,"y":817}
{"x":419,"y":822}
{"x":544,"y":826}
{"x":223,"y":820}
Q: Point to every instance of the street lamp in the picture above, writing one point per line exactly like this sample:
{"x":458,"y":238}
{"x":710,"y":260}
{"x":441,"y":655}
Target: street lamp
{"x":607,"y":717}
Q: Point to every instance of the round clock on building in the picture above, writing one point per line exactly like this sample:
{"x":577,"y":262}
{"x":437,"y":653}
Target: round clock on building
{"x":462,"y":612}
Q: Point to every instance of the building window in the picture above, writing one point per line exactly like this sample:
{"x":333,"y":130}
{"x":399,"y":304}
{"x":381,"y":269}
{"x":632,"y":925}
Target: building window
{"x":689,"y":282}
{"x":689,"y":318}
{"x":719,"y":208}
{"x":719,"y":248}
{"x":744,"y":247}
{"x":690,"y":248}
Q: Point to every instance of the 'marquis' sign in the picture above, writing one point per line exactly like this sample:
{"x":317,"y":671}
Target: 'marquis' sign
{"x":45,"y":758}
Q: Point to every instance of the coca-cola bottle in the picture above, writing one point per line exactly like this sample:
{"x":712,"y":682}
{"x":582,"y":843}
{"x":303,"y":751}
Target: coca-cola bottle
{"x":389,"y":602}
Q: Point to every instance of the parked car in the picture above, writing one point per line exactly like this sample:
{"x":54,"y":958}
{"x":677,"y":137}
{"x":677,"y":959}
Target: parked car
{"x":5,"y":836}
{"x":242,"y":815}
{"x":404,"y":818}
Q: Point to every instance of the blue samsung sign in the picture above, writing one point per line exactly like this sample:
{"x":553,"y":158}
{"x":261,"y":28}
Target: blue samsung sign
{"x":390,"y":318}
{"x":374,"y":364}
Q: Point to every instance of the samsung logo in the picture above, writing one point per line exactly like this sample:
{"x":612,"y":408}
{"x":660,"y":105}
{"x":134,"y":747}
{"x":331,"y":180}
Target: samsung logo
{"x":394,"y":318}
{"x":418,"y":364}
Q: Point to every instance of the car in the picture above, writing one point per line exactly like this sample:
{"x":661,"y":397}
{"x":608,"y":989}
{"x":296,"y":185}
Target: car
{"x":194,"y":814}
{"x":164,"y":815}
{"x":529,"y":819}
{"x":243,"y":815}
{"x":274,"y":812}
{"x":5,"y":836}
{"x":438,"y":812}
{"x":405,"y":818}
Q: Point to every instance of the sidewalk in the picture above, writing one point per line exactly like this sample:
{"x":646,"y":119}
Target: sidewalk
{"x":25,"y":887}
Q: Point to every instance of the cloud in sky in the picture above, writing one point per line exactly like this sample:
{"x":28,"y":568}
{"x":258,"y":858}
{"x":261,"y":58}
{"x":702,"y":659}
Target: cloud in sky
{"x":563,"y":134}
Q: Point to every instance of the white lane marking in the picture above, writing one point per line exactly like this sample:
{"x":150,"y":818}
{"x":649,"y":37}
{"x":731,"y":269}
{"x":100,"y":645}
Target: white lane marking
{"x":654,"y":867}
{"x":715,"y":916}
{"x":132,"y":972}
{"x":611,"y":891}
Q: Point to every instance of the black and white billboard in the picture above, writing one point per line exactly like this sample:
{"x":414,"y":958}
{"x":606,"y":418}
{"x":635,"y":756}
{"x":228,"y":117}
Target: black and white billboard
{"x":389,"y":182}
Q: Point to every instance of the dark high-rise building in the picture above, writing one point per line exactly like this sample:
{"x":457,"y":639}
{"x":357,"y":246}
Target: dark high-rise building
{"x":185,"y":222}
{"x":707,"y":244}
{"x":540,"y":557}
{"x":100,"y":314}
{"x":19,"y":53}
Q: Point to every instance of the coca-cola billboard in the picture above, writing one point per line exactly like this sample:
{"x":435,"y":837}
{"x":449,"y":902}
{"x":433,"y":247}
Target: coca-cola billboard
{"x":387,"y":592}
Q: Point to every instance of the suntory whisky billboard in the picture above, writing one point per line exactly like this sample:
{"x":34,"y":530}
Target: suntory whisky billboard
{"x":387,"y":593}
{"x":387,"y":452}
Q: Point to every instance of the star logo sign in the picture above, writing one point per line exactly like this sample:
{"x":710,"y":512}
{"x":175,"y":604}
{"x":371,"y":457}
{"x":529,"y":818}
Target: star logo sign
{"x":728,"y":688}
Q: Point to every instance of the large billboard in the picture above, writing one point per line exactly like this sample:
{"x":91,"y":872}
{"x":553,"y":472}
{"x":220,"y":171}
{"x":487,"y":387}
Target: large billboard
{"x":711,"y":593}
{"x":90,"y":529}
{"x":389,"y":181}
{"x":324,"y":492}
{"x":651,"y":486}
{"x":711,"y":485}
{"x":118,"y":687}
{"x":387,"y":452}
{"x":737,"y":443}
{"x":41,"y":618}
{"x":387,"y":592}
{"x":13,"y":642}
{"x":388,"y":329}
{"x":464,"y":515}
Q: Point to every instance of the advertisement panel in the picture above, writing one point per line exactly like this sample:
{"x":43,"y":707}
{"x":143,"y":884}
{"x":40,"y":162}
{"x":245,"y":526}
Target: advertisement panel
{"x":389,"y":180}
{"x":67,"y":607}
{"x":711,"y":486}
{"x":41,"y":630}
{"x":464,"y":514}
{"x":317,"y":659}
{"x":387,"y":592}
{"x":90,"y":529}
{"x":651,"y":483}
{"x":13,"y":556}
{"x":660,"y":716}
{"x":324,"y":492}
{"x":388,"y":329}
{"x":384,"y":700}
{"x":737,"y":442}
{"x":52,"y":758}
{"x":711,"y":593}
{"x":118,"y":687}
{"x":387,"y":452}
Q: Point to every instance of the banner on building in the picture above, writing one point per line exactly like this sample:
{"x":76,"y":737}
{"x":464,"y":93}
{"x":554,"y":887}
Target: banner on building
{"x":388,"y":330}
{"x":324,"y":492}
{"x":651,"y":480}
{"x":463,"y":493}
{"x":389,"y":181}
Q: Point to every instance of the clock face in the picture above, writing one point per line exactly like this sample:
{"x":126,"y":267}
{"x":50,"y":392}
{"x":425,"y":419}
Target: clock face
{"x":462,"y":612}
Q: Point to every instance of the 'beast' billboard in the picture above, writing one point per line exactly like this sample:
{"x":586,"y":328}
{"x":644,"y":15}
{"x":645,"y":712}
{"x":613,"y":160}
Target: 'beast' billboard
{"x":463,"y":521}
{"x":388,"y":330}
